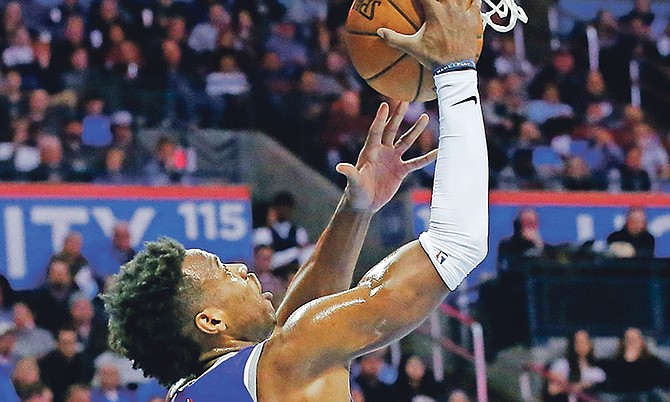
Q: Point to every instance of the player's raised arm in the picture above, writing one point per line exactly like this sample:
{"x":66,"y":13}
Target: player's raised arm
{"x":371,"y":184}
{"x":397,"y":295}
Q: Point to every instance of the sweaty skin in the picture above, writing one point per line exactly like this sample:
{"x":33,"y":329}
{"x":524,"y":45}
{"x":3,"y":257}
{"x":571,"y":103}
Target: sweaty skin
{"x":322,"y":325}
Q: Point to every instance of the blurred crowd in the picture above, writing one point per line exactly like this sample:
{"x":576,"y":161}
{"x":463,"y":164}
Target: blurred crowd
{"x":81,"y":77}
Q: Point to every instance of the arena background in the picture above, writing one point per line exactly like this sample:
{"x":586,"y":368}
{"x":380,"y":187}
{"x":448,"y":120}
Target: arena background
{"x":125,"y":120}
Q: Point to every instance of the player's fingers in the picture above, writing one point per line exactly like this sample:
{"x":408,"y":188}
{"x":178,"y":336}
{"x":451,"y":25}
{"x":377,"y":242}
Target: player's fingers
{"x":421,"y":161}
{"x":406,"y":43}
{"x":393,"y":123}
{"x":378,"y":124}
{"x":350,"y":172}
{"x":412,"y":134}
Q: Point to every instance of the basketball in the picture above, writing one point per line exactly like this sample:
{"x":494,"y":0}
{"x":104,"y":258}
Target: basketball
{"x":388,"y":70}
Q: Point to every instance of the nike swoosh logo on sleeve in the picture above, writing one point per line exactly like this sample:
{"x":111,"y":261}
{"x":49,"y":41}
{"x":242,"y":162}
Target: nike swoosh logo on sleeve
{"x":472,"y":98}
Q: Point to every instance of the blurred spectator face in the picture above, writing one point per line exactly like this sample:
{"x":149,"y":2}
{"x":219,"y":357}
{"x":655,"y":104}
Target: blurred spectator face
{"x":508,"y":47}
{"x":21,"y":132}
{"x":13,"y":14}
{"x":130,"y":52}
{"x":458,"y":396}
{"x":94,"y":106}
{"x":639,"y":29}
{"x":529,"y":132}
{"x":351,"y":103}
{"x":285,"y":30}
{"x":116,"y":34}
{"x":642,"y":6}
{"x":114,"y":160}
{"x":171,"y":53}
{"x":551,"y":94}
{"x":226,"y":39}
{"x":636,"y":221}
{"x":13,"y":81}
{"x":176,"y":29}
{"x":109,"y":10}
{"x":634,"y":342}
{"x":271,"y":61}
{"x":494,"y":90}
{"x":563,"y":62}
{"x":121,"y":237}
{"x":218,"y":16}
{"x":67,"y":343}
{"x":577,"y":168}
{"x":51,"y":152}
{"x":73,"y":130}
{"x":79,"y":59}
{"x":7,"y":342}
{"x":81,"y":310}
{"x":44,"y":396}
{"x":42,"y":52}
{"x":309,"y":82}
{"x":262,"y":259}
{"x":228,"y":64}
{"x":59,"y":275}
{"x":415,"y":369}
{"x":244,"y":20}
{"x":21,"y":37}
{"x":123,"y":135}
{"x":529,"y":220}
{"x":583,"y":344}
{"x":78,"y":394}
{"x":643,"y":134}
{"x":335,"y":62}
{"x":109,"y":378}
{"x":633,"y":114}
{"x":74,"y":31}
{"x":595,"y":84}
{"x":26,"y":372}
{"x":23,"y":317}
{"x":371,"y":364}
{"x":73,"y":244}
{"x":165,"y":151}
{"x":634,"y":159}
{"x":594,"y":113}
{"x":39,"y":101}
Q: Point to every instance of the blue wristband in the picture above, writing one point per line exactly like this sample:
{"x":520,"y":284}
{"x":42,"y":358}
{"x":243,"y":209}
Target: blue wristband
{"x":455,"y":66}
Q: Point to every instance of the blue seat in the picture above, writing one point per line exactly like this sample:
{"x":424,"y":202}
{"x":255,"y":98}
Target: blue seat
{"x":97,"y":131}
{"x":579,"y":147}
{"x":545,"y":157}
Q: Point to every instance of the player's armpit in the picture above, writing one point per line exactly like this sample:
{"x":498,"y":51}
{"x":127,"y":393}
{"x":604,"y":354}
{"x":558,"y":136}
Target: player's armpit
{"x":391,"y":300}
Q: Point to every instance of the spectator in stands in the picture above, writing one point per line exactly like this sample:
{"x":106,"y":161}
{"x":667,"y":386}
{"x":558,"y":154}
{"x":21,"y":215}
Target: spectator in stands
{"x":7,"y":342}
{"x":578,"y":177}
{"x":262,"y":267}
{"x":549,"y":107}
{"x":562,"y":73}
{"x":633,"y":176}
{"x":12,"y":21}
{"x":181,"y":100}
{"x":19,"y":54}
{"x":373,"y":388}
{"x":575,"y":372}
{"x":78,"y":393}
{"x":109,"y":388}
{"x":284,"y":42}
{"x":79,"y":77}
{"x":635,"y":372}
{"x":496,"y":113}
{"x":38,"y":393}
{"x":655,"y":158}
{"x":122,"y":249}
{"x":642,"y":11}
{"x":508,"y":62}
{"x":78,"y":156}
{"x":286,"y":238}
{"x":65,"y":365}
{"x":80,"y":268}
{"x":26,"y":373}
{"x":526,"y":241}
{"x":41,"y":73}
{"x":129,"y":375}
{"x":458,"y":396}
{"x":52,"y":167}
{"x":39,"y":112}
{"x":50,"y":301}
{"x":32,"y":341}
{"x":228,"y":93}
{"x":73,"y":38}
{"x":415,"y":379}
{"x":113,"y":171}
{"x":203,"y":37}
{"x":163,"y":168}
{"x":635,"y":233}
{"x":91,"y":331}
{"x":11,"y":98}
{"x":124,"y":139}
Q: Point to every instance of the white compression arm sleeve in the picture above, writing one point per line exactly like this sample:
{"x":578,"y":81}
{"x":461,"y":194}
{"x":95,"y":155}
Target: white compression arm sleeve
{"x":457,"y":236}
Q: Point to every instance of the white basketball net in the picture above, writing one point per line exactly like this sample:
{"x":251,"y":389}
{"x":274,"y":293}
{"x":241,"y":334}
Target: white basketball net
{"x":504,"y":9}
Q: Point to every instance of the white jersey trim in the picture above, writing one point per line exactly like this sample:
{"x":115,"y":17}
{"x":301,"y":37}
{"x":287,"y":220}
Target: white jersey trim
{"x":251,"y":371}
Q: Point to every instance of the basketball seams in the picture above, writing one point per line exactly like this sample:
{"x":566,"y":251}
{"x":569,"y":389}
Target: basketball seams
{"x":362,"y":33}
{"x":419,"y":84}
{"x":404,"y":15}
{"x":387,"y":68}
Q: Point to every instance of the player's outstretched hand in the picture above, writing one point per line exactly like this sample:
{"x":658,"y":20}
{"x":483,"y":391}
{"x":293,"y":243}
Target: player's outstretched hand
{"x":380,"y":168}
{"x":451,"y":32}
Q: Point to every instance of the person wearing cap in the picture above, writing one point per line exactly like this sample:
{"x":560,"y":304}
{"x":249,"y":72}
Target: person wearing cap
{"x":124,"y":139}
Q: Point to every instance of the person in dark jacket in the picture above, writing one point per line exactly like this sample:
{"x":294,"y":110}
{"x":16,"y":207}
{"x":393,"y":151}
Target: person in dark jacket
{"x":65,"y":366}
{"x":635,"y":233}
{"x":415,"y":379}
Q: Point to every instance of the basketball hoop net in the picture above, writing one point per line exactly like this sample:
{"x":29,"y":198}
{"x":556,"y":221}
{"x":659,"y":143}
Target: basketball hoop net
{"x":502,"y":10}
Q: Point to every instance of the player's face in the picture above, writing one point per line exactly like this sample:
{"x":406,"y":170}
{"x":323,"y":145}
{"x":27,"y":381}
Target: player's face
{"x":249,"y":313}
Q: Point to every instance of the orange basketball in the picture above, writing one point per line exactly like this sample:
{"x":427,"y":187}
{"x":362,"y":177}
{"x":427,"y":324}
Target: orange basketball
{"x":389,"y":71}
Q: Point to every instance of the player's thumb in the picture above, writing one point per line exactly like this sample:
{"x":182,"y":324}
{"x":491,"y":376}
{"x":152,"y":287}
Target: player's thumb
{"x":347,"y":169}
{"x":397,"y":40}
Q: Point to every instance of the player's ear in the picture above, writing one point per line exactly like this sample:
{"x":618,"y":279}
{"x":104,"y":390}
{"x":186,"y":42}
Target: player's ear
{"x":210,"y":321}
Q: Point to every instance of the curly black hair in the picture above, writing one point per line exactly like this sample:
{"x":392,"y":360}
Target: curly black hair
{"x":149,"y":304}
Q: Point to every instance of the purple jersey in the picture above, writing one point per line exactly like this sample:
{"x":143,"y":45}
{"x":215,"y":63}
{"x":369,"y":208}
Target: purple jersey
{"x":232,"y":378}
